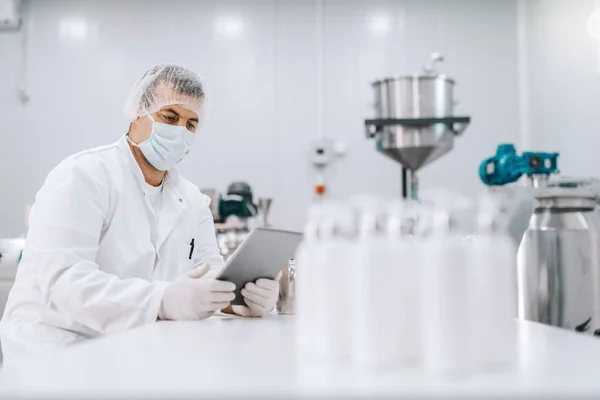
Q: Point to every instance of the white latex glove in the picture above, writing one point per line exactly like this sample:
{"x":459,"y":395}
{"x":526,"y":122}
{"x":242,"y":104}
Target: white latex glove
{"x":260,"y":297}
{"x":193,"y":297}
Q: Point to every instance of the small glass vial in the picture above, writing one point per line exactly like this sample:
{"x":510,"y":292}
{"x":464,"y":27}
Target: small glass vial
{"x":286,"y":305}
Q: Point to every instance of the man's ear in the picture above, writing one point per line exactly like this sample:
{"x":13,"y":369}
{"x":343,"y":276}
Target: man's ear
{"x":134,"y":122}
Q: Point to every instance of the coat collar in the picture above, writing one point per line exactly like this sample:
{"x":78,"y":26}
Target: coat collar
{"x":173,"y":202}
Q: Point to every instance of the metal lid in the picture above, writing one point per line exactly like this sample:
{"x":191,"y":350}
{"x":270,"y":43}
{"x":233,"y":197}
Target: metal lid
{"x":552,"y":192}
{"x":429,"y":73}
{"x":564,"y":203}
{"x":393,"y":78}
{"x":564,"y":192}
{"x":592,"y":184}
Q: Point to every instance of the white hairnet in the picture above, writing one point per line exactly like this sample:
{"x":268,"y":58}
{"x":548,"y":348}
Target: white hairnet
{"x":163,"y":85}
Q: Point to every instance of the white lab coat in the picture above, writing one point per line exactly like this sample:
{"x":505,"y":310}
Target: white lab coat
{"x":93,"y":262}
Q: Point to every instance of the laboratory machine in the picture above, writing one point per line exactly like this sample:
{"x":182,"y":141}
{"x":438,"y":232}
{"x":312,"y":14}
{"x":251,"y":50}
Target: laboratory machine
{"x":235,"y":214}
{"x":414,"y":122}
{"x":558,"y":264}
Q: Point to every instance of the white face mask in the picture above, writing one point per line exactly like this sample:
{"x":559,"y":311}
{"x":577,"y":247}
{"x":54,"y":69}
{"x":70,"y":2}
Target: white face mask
{"x":166,"y":146}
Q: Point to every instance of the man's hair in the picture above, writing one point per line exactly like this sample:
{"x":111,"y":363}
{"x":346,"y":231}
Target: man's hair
{"x":177,"y":78}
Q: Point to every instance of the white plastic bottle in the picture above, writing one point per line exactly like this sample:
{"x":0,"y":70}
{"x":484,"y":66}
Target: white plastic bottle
{"x":307,"y":281}
{"x":333,"y":285}
{"x":378,"y":281}
{"x":445,"y":345}
{"x":388,"y":271}
{"x":493,"y":279}
{"x":406,"y":302}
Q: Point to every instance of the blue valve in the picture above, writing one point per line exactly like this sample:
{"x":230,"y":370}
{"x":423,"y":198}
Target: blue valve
{"x":507,"y":166}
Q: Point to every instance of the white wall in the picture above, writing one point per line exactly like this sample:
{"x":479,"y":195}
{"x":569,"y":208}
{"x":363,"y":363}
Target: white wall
{"x":565,"y":84}
{"x":263,"y":85}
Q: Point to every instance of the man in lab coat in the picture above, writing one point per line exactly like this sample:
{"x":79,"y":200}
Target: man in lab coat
{"x":118,"y":239}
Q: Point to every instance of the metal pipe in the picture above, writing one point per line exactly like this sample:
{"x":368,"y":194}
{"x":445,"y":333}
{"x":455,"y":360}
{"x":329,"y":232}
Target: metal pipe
{"x":404,"y":183}
{"x":414,"y":185}
{"x":538,"y":180}
{"x":410,"y":184}
{"x":523,"y":74}
{"x":23,"y":77}
{"x":319,"y":53}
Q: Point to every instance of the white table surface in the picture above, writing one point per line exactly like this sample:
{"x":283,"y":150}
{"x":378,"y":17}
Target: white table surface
{"x":236,"y":357}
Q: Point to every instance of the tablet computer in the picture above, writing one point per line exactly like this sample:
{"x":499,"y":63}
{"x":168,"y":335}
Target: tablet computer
{"x":263,"y":254}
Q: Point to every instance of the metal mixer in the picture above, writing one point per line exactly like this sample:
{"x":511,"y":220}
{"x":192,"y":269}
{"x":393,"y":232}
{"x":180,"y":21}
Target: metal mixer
{"x":235,"y":214}
{"x":558,"y":262}
{"x":414,"y":120}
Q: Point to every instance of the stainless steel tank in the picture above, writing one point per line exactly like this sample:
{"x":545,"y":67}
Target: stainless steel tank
{"x":419,"y":96}
{"x":558,"y":261}
{"x":415,"y":96}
